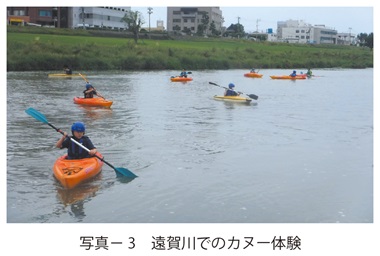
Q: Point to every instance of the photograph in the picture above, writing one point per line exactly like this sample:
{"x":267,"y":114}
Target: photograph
{"x":191,"y":129}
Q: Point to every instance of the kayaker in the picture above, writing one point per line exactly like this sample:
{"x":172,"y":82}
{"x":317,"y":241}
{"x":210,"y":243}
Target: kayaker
{"x":309,"y":73}
{"x":253,"y":70}
{"x":230,"y":91}
{"x":91,"y":91}
{"x":73,"y":150}
{"x":294,"y":74}
{"x":183,"y":73}
{"x":67,"y":70}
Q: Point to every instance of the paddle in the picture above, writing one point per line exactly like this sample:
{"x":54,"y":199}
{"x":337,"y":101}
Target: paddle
{"x":97,"y":93}
{"x":40,"y":117}
{"x":252,"y":96}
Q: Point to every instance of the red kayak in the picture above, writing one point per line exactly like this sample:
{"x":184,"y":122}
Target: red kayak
{"x":95,"y":102}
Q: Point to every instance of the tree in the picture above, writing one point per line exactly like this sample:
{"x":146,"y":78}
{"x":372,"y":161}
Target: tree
{"x":213,"y":29}
{"x":235,"y":30}
{"x":134,"y":21}
{"x":176,"y":29}
{"x":202,"y":28}
{"x":365,"y":40}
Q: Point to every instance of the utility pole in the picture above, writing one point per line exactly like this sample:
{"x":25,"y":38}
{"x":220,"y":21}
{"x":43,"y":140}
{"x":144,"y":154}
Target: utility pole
{"x":238,"y":19}
{"x":83,"y":17}
{"x":257,"y":25}
{"x":150,"y":11}
{"x":350,"y":34}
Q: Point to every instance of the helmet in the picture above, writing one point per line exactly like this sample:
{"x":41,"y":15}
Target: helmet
{"x":88,"y":86}
{"x":78,"y":127}
{"x":294,"y":71}
{"x":231,"y":85}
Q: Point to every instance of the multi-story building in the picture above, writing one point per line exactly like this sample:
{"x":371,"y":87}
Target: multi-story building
{"x":295,"y":31}
{"x":188,"y":18}
{"x":68,"y":17}
{"x":97,"y":17}
{"x":41,"y":16}
{"x":346,"y":38}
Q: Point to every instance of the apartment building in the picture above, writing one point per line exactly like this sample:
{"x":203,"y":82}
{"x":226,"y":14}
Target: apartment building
{"x":188,"y":18}
{"x":297,"y":31}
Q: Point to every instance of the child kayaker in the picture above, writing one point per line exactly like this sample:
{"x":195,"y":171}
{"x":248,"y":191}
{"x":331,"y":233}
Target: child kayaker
{"x":309,"y":73}
{"x":67,"y":70}
{"x":73,"y":150}
{"x":183,"y":73}
{"x":294,"y":74}
{"x":91,"y":91}
{"x":230,"y":91}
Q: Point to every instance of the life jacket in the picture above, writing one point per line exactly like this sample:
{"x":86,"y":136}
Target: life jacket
{"x":231,"y":93}
{"x":76,"y":152}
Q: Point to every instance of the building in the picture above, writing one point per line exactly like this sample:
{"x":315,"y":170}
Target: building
{"x":68,"y":17}
{"x":295,"y":31}
{"x":38,"y":16}
{"x":346,"y":38}
{"x":188,"y":18}
{"x":159,"y":27}
{"x":98,"y":17}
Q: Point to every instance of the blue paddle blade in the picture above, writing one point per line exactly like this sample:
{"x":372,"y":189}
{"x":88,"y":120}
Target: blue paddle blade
{"x":37,"y":115}
{"x":120,"y":171}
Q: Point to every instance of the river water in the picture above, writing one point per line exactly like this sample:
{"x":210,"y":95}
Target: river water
{"x":301,"y":153}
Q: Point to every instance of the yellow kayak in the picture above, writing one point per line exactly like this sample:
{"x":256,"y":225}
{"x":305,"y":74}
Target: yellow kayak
{"x":237,"y":99}
{"x":63,"y":75}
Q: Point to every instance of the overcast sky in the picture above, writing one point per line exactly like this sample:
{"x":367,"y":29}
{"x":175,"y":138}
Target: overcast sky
{"x":343,"y":19}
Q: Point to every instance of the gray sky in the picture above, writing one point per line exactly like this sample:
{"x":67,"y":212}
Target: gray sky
{"x":359,"y":19}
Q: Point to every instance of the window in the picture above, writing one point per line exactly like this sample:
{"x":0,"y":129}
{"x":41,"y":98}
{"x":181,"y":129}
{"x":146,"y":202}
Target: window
{"x":44,"y":13}
{"x":184,"y":20}
{"x":176,"y":12}
{"x":297,"y":31}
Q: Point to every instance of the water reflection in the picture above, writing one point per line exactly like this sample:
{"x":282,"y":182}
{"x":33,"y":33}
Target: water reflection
{"x":81,"y":192}
{"x":95,"y":112}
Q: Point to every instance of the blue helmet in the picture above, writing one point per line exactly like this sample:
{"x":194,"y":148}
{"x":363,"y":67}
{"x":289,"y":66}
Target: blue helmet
{"x":231,"y":85}
{"x":78,"y":127}
{"x":88,"y":86}
{"x":294,"y":71}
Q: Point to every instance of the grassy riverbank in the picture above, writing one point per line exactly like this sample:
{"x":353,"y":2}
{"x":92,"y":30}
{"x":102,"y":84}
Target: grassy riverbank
{"x":34,"y":50}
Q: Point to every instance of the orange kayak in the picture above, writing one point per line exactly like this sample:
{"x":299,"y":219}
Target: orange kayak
{"x":71,"y":173}
{"x":181,"y":79}
{"x":253,"y":75}
{"x":289,"y":77}
{"x":95,"y":102}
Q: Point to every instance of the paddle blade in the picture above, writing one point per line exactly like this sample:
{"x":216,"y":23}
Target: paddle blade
{"x":37,"y":115}
{"x":253,"y":96}
{"x":120,"y":171}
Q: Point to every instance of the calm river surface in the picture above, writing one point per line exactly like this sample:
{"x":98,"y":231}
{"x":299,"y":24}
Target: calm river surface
{"x":302,"y":153}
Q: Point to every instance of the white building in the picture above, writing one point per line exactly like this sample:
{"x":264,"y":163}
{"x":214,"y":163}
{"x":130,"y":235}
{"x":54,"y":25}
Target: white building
{"x":297,"y":31}
{"x":98,"y":17}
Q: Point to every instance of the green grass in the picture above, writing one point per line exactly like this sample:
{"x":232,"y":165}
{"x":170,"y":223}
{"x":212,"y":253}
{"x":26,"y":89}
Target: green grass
{"x":50,"y":51}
